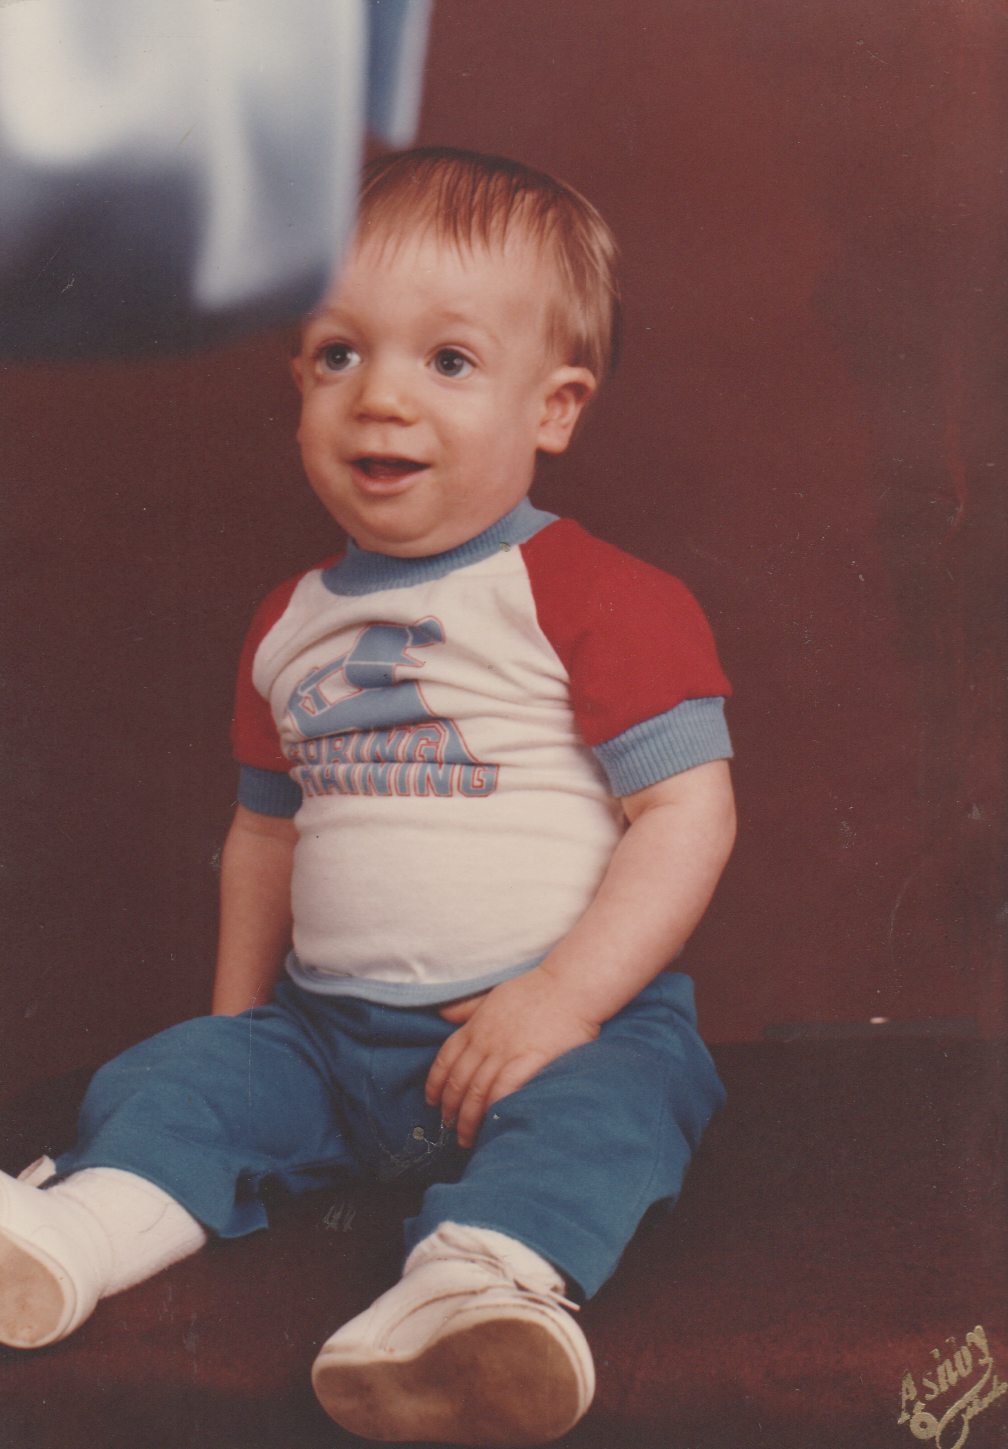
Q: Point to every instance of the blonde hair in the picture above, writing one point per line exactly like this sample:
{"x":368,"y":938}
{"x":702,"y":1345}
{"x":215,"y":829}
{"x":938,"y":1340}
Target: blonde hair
{"x":465,"y":198}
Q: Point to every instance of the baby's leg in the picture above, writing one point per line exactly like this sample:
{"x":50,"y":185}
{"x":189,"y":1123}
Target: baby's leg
{"x":474,"y":1345}
{"x":176,"y":1137}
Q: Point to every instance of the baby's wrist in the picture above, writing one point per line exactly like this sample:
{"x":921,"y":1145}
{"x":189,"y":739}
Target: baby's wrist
{"x":573,"y":996}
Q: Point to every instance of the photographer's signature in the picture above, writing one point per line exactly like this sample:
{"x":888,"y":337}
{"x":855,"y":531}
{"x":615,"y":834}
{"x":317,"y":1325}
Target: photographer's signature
{"x":949,"y":1427}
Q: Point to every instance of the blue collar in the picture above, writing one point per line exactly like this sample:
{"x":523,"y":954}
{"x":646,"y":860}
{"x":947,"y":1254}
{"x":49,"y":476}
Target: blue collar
{"x":360,"y":572}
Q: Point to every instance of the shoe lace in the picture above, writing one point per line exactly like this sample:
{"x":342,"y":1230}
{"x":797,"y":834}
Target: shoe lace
{"x":547,"y":1295}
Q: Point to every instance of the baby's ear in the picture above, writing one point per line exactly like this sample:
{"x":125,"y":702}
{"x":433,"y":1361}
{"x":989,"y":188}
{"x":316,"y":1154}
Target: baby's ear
{"x":565,"y":393}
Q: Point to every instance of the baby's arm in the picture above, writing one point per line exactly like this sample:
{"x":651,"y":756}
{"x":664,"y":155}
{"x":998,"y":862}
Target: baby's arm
{"x":657,"y":887}
{"x":255,"y":917}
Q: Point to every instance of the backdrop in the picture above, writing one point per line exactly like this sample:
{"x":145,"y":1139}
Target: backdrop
{"x":807,"y":425}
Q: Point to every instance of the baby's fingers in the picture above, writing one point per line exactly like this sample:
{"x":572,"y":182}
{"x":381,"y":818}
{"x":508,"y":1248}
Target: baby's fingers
{"x":473,"y":1105}
{"x":446,"y":1058}
{"x":489,"y":1084}
{"x":469,"y":1068}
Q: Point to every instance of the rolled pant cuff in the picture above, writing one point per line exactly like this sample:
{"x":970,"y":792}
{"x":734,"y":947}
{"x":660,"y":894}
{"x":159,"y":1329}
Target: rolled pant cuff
{"x":208,"y":1194}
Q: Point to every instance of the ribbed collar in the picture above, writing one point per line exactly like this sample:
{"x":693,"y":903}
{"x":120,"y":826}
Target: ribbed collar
{"x":360,"y":572}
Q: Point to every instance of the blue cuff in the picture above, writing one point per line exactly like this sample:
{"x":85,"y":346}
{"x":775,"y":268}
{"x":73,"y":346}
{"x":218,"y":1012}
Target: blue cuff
{"x":268,"y":792}
{"x":689,"y":735}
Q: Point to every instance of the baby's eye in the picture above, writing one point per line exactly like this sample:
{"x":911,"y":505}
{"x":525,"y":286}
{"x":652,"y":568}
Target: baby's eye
{"x":338,"y":356}
{"x":449,"y":363}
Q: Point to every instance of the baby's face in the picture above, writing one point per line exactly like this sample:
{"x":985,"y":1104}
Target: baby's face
{"x":427,"y":388}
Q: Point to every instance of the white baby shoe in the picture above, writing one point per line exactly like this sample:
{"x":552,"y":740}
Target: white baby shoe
{"x":473,"y":1345}
{"x":61,"y":1249}
{"x":53,"y":1266}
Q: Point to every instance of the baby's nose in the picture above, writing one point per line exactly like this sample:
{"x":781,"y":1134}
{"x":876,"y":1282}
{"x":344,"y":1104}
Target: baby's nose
{"x":385,"y":393}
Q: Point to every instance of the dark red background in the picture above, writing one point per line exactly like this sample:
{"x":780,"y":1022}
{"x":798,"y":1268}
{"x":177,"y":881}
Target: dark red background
{"x":807,"y":425}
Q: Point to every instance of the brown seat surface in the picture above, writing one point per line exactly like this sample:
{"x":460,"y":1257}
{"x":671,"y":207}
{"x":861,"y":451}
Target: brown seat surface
{"x":845,"y":1218}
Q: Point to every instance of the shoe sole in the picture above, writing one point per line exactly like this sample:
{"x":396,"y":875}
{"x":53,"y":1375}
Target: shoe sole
{"x":33,"y":1306}
{"x":497,"y":1384}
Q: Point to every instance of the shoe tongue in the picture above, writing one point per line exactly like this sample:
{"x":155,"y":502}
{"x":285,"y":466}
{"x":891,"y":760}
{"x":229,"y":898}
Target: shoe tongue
{"x":520,"y":1263}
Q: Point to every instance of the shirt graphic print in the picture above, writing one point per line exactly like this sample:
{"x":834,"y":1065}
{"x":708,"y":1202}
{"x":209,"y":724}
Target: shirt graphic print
{"x":361,"y":729}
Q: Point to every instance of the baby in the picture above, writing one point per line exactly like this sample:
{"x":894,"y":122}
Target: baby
{"x":484,"y":789}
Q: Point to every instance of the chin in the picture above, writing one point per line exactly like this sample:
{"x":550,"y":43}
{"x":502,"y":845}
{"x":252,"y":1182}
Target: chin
{"x":399,"y":542}
{"x":403,"y":536}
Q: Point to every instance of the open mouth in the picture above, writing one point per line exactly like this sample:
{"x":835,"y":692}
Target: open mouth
{"x":387,"y":469}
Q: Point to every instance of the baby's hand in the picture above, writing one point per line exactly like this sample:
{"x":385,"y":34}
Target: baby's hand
{"x":509,"y":1034}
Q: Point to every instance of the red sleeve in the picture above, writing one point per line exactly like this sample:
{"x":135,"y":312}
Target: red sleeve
{"x":253,"y":733}
{"x":633,"y":640}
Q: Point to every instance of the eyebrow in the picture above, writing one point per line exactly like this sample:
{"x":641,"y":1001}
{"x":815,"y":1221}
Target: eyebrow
{"x":452,"y":318}
{"x":330,"y":316}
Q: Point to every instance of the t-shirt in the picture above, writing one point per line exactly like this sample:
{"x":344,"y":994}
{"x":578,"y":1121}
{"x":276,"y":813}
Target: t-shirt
{"x":452,"y":734}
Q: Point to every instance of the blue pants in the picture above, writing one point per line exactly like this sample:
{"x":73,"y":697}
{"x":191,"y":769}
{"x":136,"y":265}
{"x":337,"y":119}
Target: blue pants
{"x":309,"y":1090}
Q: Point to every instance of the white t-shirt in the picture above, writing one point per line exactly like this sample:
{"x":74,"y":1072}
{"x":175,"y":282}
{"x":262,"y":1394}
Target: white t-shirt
{"x":454,"y":733}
